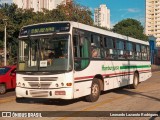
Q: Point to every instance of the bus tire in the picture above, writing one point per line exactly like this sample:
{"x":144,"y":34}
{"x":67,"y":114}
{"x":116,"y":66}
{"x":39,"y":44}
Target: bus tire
{"x":135,"y":81}
{"x":2,"y":88}
{"x":19,"y":99}
{"x":95,"y":91}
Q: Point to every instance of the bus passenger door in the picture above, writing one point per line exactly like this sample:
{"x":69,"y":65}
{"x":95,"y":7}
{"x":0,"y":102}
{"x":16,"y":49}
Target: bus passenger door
{"x":81,"y":62}
{"x":81,"y":54}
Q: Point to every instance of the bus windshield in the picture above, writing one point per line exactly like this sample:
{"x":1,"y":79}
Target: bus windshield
{"x":51,"y":53}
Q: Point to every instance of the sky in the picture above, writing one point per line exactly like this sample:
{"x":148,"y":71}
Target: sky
{"x":119,"y":9}
{"x":5,"y":1}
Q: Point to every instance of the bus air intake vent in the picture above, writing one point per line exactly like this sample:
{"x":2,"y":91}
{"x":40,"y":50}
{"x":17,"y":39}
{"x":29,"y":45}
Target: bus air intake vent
{"x":30,"y":78}
{"x":40,"y":85}
{"x":48,"y":78}
{"x":35,"y":93}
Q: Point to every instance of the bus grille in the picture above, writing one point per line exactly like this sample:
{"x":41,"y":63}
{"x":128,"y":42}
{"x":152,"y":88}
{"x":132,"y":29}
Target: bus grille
{"x":31,"y":78}
{"x":35,"y":93}
{"x":40,"y":79}
{"x":40,"y":84}
{"x":48,"y":78}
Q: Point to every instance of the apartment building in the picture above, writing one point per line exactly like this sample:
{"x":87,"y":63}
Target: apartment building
{"x":38,"y":5}
{"x":152,"y":26}
{"x":102,"y":16}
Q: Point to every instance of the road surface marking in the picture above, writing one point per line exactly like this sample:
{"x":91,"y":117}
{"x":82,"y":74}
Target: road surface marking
{"x":93,"y":107}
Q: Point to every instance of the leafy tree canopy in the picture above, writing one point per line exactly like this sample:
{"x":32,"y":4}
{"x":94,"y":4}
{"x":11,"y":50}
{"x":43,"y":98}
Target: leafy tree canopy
{"x":130,"y":27}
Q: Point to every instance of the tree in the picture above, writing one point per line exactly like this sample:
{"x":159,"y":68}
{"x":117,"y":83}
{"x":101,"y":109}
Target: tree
{"x":130,"y":27}
{"x":2,"y":16}
{"x":75,"y":12}
{"x":8,"y":12}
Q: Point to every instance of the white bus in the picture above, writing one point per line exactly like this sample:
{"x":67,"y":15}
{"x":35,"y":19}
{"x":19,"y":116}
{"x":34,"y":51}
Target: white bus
{"x":68,"y":60}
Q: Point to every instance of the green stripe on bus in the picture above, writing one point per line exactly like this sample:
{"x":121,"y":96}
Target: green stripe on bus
{"x":135,"y":66}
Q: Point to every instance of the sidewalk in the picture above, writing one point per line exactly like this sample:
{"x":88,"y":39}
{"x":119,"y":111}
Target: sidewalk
{"x":155,"y":68}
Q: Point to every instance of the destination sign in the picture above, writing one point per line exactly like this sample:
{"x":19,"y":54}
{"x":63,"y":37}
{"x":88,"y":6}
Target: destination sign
{"x":45,"y":28}
{"x":42,"y":30}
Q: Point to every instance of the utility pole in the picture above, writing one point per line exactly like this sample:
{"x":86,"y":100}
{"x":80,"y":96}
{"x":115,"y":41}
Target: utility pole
{"x":5,"y":42}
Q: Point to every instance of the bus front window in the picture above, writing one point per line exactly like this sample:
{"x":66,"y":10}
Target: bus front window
{"x":45,"y":54}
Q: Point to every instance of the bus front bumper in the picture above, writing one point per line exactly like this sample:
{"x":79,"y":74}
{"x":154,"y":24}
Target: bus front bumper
{"x":62,"y":93}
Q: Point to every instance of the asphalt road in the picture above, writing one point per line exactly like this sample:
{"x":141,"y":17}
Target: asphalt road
{"x":145,"y":98}
{"x":8,"y":94}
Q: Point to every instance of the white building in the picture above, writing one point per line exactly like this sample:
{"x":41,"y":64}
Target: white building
{"x":102,"y":16}
{"x":152,"y":26}
{"x":38,"y":5}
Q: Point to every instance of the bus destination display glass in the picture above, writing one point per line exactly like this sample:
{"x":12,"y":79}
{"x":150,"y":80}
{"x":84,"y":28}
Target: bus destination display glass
{"x":45,"y":28}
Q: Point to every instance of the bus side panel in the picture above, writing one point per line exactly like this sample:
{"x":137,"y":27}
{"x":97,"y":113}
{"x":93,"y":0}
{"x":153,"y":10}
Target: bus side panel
{"x":115,"y":73}
{"x":121,"y":73}
{"x":83,"y":79}
{"x":108,"y":83}
{"x":117,"y":77}
{"x":144,"y":76}
{"x":82,"y":89}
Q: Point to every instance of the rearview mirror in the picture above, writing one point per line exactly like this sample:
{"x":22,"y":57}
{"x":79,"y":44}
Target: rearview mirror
{"x":13,"y":74}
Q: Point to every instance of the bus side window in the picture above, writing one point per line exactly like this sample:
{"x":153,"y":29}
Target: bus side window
{"x":129,"y":51}
{"x":148,"y":53}
{"x":137,"y":52}
{"x":144,"y":52}
{"x":120,"y":49}
{"x":94,"y":51}
{"x":108,"y":44}
{"x":115,"y":49}
{"x":97,"y":47}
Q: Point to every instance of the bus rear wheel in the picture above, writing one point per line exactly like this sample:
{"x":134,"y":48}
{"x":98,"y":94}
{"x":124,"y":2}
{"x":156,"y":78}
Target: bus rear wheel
{"x":95,"y":91}
{"x":135,"y":81}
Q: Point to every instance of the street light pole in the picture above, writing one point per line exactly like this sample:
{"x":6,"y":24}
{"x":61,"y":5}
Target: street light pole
{"x":5,"y":41}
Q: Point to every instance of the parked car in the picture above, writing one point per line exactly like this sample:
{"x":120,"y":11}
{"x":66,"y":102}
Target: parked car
{"x":7,"y":78}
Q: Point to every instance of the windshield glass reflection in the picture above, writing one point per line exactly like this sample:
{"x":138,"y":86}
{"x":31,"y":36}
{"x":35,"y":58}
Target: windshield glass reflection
{"x":50,"y":53}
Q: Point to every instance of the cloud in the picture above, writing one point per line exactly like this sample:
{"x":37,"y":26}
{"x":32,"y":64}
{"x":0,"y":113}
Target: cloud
{"x":131,"y":10}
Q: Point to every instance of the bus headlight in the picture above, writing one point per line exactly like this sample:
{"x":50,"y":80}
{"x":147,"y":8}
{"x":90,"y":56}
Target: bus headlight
{"x":23,"y":85}
{"x":62,"y":84}
{"x":18,"y":84}
{"x":57,"y":85}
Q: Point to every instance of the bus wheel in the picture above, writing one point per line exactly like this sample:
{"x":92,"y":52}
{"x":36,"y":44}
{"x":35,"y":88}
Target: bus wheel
{"x":135,"y":81}
{"x":95,"y":91}
{"x":19,"y":100}
{"x":2,"y":88}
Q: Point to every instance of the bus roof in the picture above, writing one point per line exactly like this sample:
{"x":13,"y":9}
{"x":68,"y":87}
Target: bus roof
{"x":95,"y":30}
